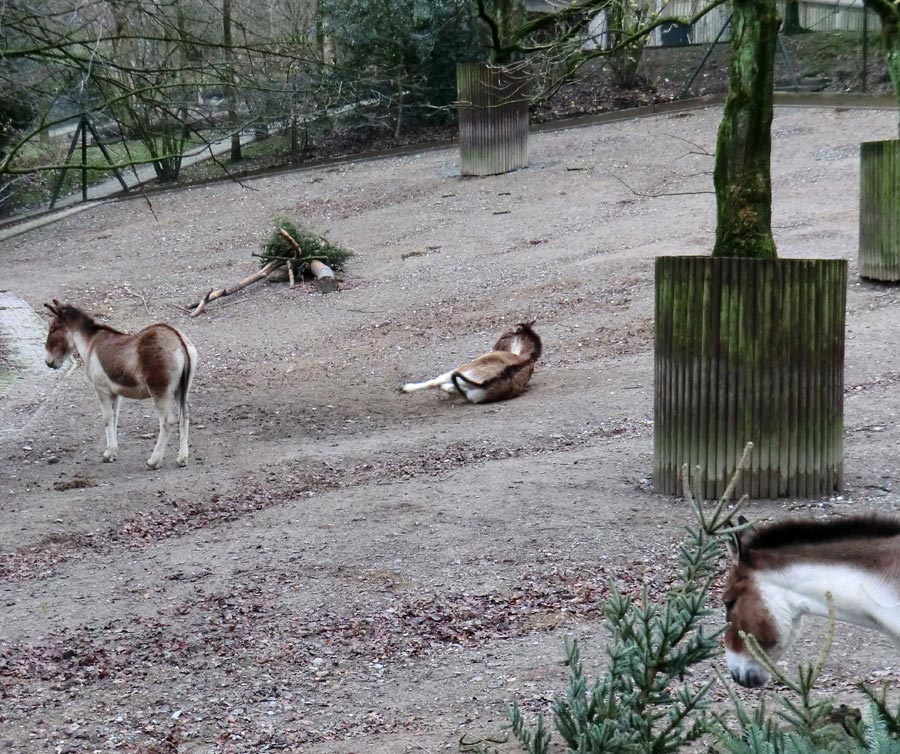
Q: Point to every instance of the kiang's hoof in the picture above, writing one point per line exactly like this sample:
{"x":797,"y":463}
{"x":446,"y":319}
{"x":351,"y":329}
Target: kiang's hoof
{"x":153,"y":465}
{"x":109,"y":459}
{"x":182,"y":461}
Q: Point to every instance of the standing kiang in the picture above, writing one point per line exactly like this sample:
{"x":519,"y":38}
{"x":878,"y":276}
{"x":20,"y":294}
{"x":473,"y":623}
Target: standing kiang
{"x":158,"y":362}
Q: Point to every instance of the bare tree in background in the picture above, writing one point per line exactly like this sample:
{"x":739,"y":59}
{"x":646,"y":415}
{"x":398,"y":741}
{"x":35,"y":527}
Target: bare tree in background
{"x":558,"y":44}
{"x":156,"y":69}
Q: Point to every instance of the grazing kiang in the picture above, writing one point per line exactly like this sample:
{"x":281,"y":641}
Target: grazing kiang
{"x":498,"y":375}
{"x":786,"y":570}
{"x":158,"y":362}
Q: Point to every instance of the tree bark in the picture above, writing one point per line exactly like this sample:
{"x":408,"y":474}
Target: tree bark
{"x":743,"y":181}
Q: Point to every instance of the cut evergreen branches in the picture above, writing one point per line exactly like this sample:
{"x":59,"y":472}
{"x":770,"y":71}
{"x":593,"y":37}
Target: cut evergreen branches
{"x":312,"y":246}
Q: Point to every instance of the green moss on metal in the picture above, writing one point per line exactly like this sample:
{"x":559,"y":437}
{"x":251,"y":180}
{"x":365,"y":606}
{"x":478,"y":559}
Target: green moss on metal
{"x":879,"y":210}
{"x":750,"y":350}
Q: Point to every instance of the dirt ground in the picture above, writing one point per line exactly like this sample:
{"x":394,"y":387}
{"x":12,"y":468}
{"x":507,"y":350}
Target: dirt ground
{"x":344,"y":568}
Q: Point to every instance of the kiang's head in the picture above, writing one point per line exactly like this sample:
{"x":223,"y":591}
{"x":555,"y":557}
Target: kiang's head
{"x":521,"y":339}
{"x":752,"y":609}
{"x":60,"y":341}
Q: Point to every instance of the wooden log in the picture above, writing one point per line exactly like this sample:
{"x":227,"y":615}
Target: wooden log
{"x":750,"y":350}
{"x":325,"y":279}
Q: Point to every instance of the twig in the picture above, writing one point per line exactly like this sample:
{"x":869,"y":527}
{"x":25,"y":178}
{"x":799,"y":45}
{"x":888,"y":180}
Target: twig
{"x":136,"y":295}
{"x":702,"y":151}
{"x":654,"y":196}
{"x":239,"y":301}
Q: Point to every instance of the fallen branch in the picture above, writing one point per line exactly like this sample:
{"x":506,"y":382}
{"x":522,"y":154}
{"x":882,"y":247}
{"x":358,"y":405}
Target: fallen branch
{"x":212,"y":295}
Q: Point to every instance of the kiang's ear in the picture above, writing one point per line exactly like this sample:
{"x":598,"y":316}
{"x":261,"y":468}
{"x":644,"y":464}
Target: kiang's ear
{"x":53,"y":308}
{"x":736,"y":541}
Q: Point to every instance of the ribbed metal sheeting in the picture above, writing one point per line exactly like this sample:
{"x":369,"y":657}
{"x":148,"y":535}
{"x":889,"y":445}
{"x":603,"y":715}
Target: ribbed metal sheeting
{"x":750,"y":350}
{"x":879,"y":210}
{"x":493,"y":118}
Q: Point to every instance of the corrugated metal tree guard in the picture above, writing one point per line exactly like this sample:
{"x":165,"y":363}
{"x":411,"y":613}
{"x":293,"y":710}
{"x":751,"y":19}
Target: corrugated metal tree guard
{"x":879,"y":210}
{"x":750,"y":349}
{"x":493,"y":118}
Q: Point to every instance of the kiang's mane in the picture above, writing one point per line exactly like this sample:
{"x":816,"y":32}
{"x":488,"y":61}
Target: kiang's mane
{"x":74,"y":316}
{"x":792,"y":533}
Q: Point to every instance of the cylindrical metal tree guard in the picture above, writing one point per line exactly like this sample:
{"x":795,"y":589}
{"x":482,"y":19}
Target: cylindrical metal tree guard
{"x":750,"y":350}
{"x":879,"y":210}
{"x":493,"y":118}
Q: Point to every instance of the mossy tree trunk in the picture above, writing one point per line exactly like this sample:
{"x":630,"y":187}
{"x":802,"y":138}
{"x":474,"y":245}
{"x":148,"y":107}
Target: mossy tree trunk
{"x":742,"y":177}
{"x":889,"y":13}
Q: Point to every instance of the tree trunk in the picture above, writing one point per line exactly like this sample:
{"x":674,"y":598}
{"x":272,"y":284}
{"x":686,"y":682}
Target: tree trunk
{"x":742,"y":174}
{"x":229,"y":89}
{"x":506,"y":17}
{"x":792,"y":17}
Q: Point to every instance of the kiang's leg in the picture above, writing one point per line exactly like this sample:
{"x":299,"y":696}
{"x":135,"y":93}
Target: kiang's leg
{"x":184,"y":421}
{"x":168,"y":418}
{"x":109,"y":407}
{"x":440,"y":381}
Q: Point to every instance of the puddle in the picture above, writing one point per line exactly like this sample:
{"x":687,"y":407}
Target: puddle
{"x":24,"y":377}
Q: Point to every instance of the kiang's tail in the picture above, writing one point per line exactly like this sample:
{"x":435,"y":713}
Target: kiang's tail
{"x":187,"y":375}
{"x":458,"y":377}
